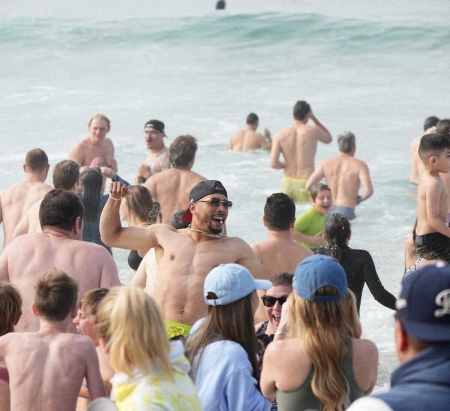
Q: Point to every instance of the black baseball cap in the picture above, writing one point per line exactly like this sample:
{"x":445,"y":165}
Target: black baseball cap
{"x":201,"y":190}
{"x":156,"y":124}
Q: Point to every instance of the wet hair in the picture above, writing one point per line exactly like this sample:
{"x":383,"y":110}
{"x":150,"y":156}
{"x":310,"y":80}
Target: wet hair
{"x":443,"y":127}
{"x":92,"y":299}
{"x":432,"y":145}
{"x":346,"y":141}
{"x":36,"y":160}
{"x":130,"y":323}
{"x":140,"y":204}
{"x":252,"y":119}
{"x":430,"y":122}
{"x":100,"y":117}
{"x":282,"y":279}
{"x":90,"y":193}
{"x":279,"y":212}
{"x":182,"y":151}
{"x":10,"y":307}
{"x":325,"y":330}
{"x":337,"y":229}
{"x":301,"y":110}
{"x":316,"y":188}
{"x":56,"y":295}
{"x":65,"y":174}
{"x":230,"y":322}
{"x":60,"y":208}
{"x":177,"y":220}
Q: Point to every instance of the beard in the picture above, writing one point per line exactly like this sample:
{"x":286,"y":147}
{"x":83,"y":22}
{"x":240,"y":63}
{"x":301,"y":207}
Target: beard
{"x":206,"y":219}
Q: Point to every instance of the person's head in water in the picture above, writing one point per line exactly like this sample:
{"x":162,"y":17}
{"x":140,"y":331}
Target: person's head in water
{"x":279,"y":212}
{"x":220,"y":5}
{"x":252,"y":121}
{"x":182,"y":151}
{"x":430,"y":122}
{"x":138,"y":207}
{"x":321,"y":198}
{"x":90,"y":192}
{"x":301,"y":110}
{"x":346,"y":142}
{"x":60,"y":209}
{"x":337,"y":231}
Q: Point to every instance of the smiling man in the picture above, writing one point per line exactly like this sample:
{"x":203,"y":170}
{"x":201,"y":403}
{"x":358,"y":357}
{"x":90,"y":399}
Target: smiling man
{"x":184,"y":257}
{"x":158,"y":158}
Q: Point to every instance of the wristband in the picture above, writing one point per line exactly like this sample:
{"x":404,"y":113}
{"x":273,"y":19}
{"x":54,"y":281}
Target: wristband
{"x":115,"y":199}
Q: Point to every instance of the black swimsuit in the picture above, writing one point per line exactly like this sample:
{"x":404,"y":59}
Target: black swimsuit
{"x":134,"y":259}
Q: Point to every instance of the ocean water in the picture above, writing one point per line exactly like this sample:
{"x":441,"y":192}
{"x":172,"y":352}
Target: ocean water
{"x":376,"y":69}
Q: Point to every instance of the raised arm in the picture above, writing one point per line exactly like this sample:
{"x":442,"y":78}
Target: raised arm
{"x":364,"y":177}
{"x":275,"y":154}
{"x":323,"y":134}
{"x":315,"y":177}
{"x":266,"y":140}
{"x":112,"y":232}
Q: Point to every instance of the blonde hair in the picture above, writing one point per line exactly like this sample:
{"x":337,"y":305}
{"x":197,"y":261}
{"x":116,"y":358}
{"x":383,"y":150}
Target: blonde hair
{"x":325,"y":330}
{"x":132,"y":327}
{"x":100,"y":117}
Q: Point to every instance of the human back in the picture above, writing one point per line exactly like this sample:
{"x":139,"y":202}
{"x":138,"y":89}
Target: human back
{"x":324,"y":363}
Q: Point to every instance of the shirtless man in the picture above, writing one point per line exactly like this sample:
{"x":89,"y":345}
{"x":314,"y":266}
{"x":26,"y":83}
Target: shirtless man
{"x":171,"y":187}
{"x":429,"y":127}
{"x":249,"y":139}
{"x":344,"y":174}
{"x":66,"y":174}
{"x":184,"y":257}
{"x":279,"y":253}
{"x":298,"y":144}
{"x":158,"y":157}
{"x":96,"y":150}
{"x":59,"y":246}
{"x":46,"y":368}
{"x":443,"y":128}
{"x":15,"y":200}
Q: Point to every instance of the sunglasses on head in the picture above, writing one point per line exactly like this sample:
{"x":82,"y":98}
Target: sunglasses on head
{"x":271,"y":301}
{"x":215,"y":202}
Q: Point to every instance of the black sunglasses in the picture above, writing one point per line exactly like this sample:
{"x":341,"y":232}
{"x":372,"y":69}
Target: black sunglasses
{"x":215,"y":202}
{"x":271,"y":301}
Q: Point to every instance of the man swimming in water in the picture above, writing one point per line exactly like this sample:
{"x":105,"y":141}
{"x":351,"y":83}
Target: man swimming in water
{"x":298,"y":144}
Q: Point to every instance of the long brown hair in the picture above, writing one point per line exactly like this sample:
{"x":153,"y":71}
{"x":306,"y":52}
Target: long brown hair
{"x":141,"y":205}
{"x":325,"y":330}
{"x":232,"y":322}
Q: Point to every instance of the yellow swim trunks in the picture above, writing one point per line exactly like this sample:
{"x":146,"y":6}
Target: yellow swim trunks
{"x":176,"y":329}
{"x":295,"y":188}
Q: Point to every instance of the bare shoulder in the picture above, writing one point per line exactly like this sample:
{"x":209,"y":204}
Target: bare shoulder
{"x":109,"y":143}
{"x":364,"y":350}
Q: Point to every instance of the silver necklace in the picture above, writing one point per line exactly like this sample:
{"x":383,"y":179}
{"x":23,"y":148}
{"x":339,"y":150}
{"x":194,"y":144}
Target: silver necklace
{"x":218,"y":236}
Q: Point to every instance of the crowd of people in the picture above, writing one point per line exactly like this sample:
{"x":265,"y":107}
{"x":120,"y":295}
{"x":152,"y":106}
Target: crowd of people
{"x":209,"y":321}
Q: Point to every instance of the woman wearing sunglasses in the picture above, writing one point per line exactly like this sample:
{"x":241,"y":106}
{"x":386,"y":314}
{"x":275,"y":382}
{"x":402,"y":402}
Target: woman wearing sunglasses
{"x":274,"y":298}
{"x":317,"y":360}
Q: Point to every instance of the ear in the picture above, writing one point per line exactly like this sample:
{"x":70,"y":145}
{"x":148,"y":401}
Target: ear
{"x":24,"y":168}
{"x":401,"y":338}
{"x":74,"y":311}
{"x":76,"y":226}
{"x":264,"y":221}
{"x":293,"y":223}
{"x":192,"y":207}
{"x":432,"y":160}
{"x":34,"y":310}
{"x":325,"y":237}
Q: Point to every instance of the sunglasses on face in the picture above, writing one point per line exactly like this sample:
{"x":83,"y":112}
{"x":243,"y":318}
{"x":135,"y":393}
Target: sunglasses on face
{"x":215,"y":202}
{"x":271,"y":301}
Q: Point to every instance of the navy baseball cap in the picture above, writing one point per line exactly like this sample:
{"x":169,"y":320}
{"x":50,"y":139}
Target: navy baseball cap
{"x":424,"y":303}
{"x":203,"y":189}
{"x":156,"y":124}
{"x":316,"y":272}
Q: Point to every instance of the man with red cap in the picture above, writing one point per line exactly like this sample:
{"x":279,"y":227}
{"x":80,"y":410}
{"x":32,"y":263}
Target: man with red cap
{"x":184,"y":257}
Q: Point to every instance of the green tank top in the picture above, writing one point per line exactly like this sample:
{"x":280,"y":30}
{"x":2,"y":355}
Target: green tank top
{"x":302,"y":398}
